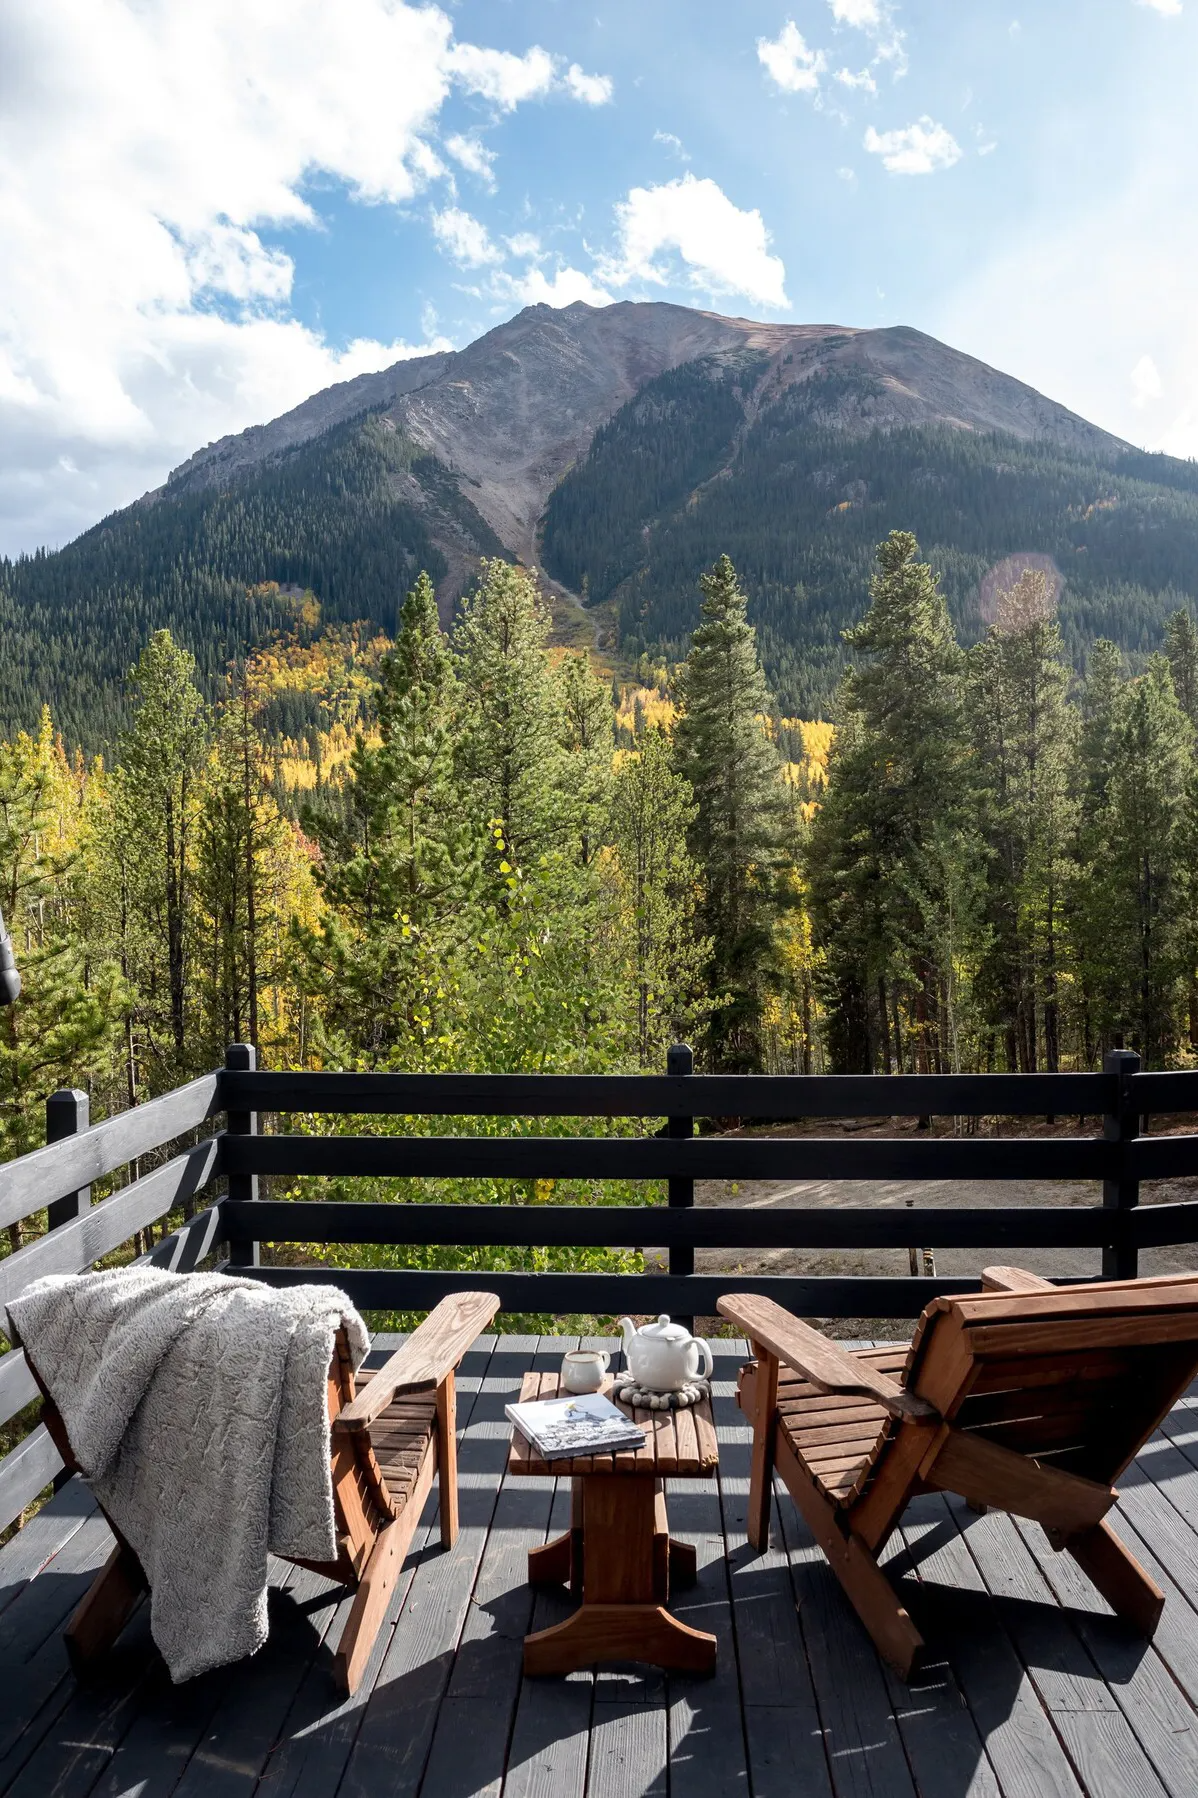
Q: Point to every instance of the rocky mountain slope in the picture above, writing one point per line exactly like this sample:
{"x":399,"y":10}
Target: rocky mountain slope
{"x":512,"y":412}
{"x":621,"y":448}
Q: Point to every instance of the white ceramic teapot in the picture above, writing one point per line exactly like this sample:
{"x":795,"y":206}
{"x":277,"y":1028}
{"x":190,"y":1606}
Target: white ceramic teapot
{"x":663,"y":1356}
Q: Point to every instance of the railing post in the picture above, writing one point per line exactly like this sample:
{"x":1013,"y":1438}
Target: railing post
{"x":680,"y":1060}
{"x":1120,"y":1260}
{"x":242,"y":1058}
{"x":67,"y":1112}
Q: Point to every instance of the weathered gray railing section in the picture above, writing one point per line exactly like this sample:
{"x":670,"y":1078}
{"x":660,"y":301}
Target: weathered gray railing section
{"x":56,"y":1178}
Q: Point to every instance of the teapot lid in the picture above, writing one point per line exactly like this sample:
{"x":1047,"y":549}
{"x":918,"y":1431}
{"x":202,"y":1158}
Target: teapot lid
{"x":665,"y":1331}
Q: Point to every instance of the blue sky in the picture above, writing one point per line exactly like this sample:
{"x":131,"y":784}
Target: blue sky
{"x":208,"y":212}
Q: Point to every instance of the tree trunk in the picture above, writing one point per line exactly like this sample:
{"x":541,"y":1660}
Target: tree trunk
{"x":251,"y":914}
{"x":174,"y":932}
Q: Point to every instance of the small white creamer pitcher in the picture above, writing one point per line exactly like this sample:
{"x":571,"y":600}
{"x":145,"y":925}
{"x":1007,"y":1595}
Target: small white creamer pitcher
{"x":583,"y":1369}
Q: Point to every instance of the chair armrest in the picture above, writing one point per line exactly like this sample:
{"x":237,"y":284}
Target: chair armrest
{"x":431,"y":1352}
{"x":829,"y":1367}
{"x":1012,"y":1279}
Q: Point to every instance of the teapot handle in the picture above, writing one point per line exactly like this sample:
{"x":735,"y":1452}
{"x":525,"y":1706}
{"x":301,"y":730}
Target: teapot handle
{"x":704,"y":1349}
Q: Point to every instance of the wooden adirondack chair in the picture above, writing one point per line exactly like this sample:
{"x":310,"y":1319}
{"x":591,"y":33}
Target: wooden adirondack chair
{"x":1027,"y":1397}
{"x":392,"y":1432}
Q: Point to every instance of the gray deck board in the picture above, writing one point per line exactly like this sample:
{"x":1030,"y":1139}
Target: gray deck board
{"x":400,"y":1717}
{"x":1105,"y":1753}
{"x":1029,"y":1689}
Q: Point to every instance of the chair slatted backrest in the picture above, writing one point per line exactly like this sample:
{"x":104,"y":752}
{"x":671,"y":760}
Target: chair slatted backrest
{"x":1075,"y":1377}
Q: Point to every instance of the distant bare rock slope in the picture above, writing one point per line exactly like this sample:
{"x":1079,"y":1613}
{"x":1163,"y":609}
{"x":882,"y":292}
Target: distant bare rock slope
{"x":509,"y":414}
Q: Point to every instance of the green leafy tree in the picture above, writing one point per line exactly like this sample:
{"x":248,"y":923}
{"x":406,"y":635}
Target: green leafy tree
{"x":739,"y":832}
{"x":65,"y":1025}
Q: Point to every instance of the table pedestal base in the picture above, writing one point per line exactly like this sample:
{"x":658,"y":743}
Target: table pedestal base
{"x":618,"y":1555}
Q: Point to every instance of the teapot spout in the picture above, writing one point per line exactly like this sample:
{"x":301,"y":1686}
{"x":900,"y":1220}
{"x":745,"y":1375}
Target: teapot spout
{"x":627,"y":1330}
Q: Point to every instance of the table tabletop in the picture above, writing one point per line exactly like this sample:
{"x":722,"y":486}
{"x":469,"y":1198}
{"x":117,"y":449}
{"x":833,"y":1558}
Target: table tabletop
{"x":677,"y":1443}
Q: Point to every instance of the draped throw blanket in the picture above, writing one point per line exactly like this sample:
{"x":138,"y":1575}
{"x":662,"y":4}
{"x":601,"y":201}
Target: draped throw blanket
{"x":197,"y":1407}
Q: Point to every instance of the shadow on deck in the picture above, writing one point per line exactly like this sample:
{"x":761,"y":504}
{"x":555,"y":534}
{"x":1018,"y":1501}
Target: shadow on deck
{"x":1031,"y":1689}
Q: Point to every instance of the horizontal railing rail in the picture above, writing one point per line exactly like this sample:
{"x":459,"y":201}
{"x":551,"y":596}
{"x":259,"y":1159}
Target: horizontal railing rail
{"x":38,"y":1179}
{"x":696,"y":1158}
{"x":771,"y":1096}
{"x":639,"y":1226}
{"x":57,"y":1180}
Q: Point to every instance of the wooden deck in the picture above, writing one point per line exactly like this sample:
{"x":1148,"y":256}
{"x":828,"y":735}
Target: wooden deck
{"x":1032,"y":1690}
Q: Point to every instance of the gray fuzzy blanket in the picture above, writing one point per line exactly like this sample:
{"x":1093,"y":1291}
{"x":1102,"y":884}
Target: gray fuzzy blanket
{"x":196,"y":1405}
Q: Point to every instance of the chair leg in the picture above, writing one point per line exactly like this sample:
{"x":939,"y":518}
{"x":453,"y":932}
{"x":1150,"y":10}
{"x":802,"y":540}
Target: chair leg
{"x":866,"y":1587}
{"x":377,"y":1583}
{"x":447,"y":1459}
{"x":759,"y":1396}
{"x":1117,"y":1574}
{"x":105,"y":1609}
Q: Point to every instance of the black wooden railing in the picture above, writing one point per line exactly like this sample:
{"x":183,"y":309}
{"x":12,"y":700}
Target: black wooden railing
{"x":228,"y":1229}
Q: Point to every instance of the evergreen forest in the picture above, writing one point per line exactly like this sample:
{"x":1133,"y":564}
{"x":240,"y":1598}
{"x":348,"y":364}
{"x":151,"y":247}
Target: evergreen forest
{"x":351,"y":516}
{"x":702,"y":461}
{"x":484,"y":857}
{"x":682,"y":475}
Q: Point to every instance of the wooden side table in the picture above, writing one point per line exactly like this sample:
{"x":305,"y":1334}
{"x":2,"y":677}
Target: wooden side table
{"x":618,"y":1555}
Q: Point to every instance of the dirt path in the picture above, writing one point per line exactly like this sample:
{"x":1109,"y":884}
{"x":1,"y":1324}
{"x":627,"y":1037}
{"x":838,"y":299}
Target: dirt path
{"x":979,"y":1195}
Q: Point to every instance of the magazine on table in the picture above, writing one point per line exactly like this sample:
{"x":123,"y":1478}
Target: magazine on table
{"x":582,"y":1424}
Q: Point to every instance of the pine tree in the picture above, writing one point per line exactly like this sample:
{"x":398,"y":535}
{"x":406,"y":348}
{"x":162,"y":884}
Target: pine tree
{"x":155,"y":803}
{"x":243,"y":862}
{"x":1181,"y":647}
{"x":1024,"y":739}
{"x":738,"y":835}
{"x":511,"y":759}
{"x":1092,"y":908}
{"x":655,"y":893}
{"x":1099,"y":714}
{"x":1153,"y":767}
{"x":894,"y":858}
{"x":587,"y":738}
{"x":401,"y":862}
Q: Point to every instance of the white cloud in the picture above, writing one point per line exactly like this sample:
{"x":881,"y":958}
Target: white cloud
{"x":862,"y":79}
{"x":148,"y":149}
{"x":474,"y":157}
{"x":918,"y":149}
{"x":866,"y":15}
{"x":524,"y":243}
{"x":1146,"y":383}
{"x":673,"y":144}
{"x":500,"y":76}
{"x":723,"y":250}
{"x":462,"y":236}
{"x":592,"y":90}
{"x":533,"y":288}
{"x":876,"y":19}
{"x":790,"y":62}
{"x":1169,"y":9}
